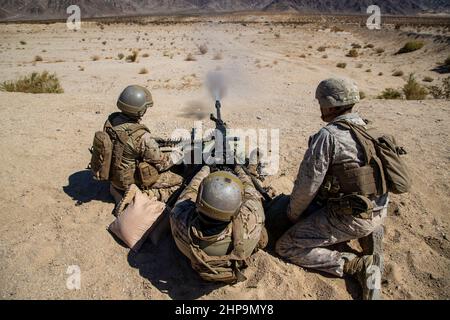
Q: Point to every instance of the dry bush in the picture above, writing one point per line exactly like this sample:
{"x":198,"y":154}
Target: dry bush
{"x":95,"y":58}
{"x":218,"y":56}
{"x":341,"y":65}
{"x":34,"y":83}
{"x":120,"y":56}
{"x":413,"y":90}
{"x":353,"y":53}
{"x":104,"y":43}
{"x":336,"y":29}
{"x":370,"y":46}
{"x":190,"y":57}
{"x":379,"y":50}
{"x":390,"y":94}
{"x":447,"y":62}
{"x":440,"y":92}
{"x":133,"y":57}
{"x":362,"y":95}
{"x":325,"y":56}
{"x":398,"y":73}
{"x":143,"y":71}
{"x":23,"y":42}
{"x":38,"y":59}
{"x":411,"y":46}
{"x":369,"y":70}
{"x":380,"y":74}
{"x":277,"y":35}
{"x":321,"y":48}
{"x":203,"y":49}
{"x":356,"y":46}
{"x":145,"y":55}
{"x":302,"y":56}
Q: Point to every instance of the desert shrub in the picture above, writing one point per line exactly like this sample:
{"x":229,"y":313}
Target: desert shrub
{"x":390,"y":94}
{"x":362,"y":95}
{"x":411,"y":46}
{"x":398,"y":73}
{"x":190,"y":57}
{"x":359,"y":65}
{"x":369,"y":70}
{"x":218,"y":56}
{"x":353,"y":53}
{"x":34,"y":83}
{"x":120,"y":56}
{"x":379,"y":50}
{"x":325,"y":56}
{"x":413,"y":90}
{"x":380,"y":74}
{"x":341,"y":65}
{"x":23,"y":42}
{"x":356,"y":46}
{"x":145,"y":55}
{"x":440,"y":92}
{"x":133,"y":56}
{"x":203,"y":48}
{"x":277,"y":35}
{"x":302,"y":56}
{"x":447,"y":62}
{"x":427,"y":79}
{"x":143,"y":71}
{"x":38,"y":58}
{"x":321,"y":48}
{"x":336,"y":29}
{"x":104,"y":43}
{"x":95,"y":58}
{"x":370,"y":46}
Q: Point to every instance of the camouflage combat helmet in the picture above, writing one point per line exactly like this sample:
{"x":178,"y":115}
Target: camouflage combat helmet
{"x":337,"y":92}
{"x":220,"y":196}
{"x":134,"y":101}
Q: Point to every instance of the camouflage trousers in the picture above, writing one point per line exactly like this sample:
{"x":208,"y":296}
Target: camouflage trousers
{"x":167,"y":183}
{"x":305,"y":244}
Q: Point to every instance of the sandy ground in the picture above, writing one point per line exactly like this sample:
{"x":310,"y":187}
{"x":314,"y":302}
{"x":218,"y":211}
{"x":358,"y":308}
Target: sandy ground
{"x":53,"y":215}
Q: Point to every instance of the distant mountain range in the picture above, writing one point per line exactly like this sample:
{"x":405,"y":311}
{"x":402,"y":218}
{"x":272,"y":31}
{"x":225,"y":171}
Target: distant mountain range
{"x":45,"y":9}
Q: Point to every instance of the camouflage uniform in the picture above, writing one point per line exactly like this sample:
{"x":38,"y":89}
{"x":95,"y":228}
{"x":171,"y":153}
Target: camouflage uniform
{"x":188,"y":236}
{"x":143,"y":146}
{"x":305,"y":243}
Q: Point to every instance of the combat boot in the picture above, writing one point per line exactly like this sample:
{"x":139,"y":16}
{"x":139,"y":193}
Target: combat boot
{"x":367,"y":271}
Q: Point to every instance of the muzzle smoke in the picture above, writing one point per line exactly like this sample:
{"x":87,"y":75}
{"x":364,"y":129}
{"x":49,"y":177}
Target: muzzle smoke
{"x":216,"y":84}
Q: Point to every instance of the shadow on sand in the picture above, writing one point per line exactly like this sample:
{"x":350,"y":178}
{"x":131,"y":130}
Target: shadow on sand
{"x":169,"y":271}
{"x":83,"y":188}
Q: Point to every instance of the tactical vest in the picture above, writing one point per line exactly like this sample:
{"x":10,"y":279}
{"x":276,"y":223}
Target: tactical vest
{"x":351,"y":178}
{"x":232,"y":246}
{"x":126,"y":158}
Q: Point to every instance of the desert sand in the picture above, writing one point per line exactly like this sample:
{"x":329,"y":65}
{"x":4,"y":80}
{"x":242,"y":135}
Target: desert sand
{"x":53,"y":215}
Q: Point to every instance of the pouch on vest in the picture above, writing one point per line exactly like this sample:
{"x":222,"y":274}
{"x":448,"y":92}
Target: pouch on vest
{"x":354,"y":205}
{"x":147,"y":174}
{"x":101,"y":151}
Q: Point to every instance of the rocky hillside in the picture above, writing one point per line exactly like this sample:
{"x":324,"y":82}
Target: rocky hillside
{"x":44,"y":9}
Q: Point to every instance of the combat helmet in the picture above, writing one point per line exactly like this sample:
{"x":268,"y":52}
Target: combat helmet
{"x":134,"y":101}
{"x":220,"y":196}
{"x":335,"y":92}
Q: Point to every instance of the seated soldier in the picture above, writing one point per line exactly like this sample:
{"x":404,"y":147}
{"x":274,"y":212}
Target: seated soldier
{"x":137,"y":158}
{"x":218,"y":223}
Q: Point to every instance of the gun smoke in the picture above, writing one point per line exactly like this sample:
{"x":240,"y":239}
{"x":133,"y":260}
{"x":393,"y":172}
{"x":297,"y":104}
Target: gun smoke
{"x":216,"y":84}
